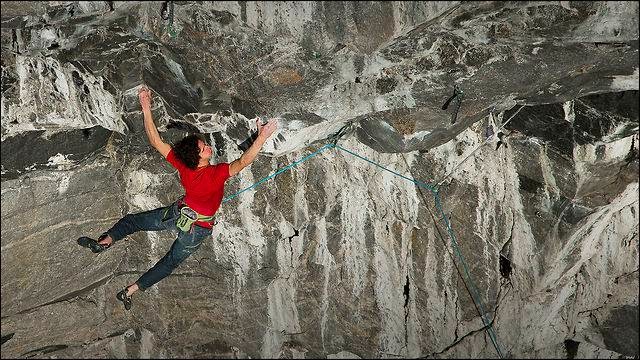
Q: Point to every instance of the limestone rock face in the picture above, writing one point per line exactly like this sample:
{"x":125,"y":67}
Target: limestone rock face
{"x":534,"y":229}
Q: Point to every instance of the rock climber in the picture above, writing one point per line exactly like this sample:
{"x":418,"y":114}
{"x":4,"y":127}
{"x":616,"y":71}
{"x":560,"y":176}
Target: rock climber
{"x":192,"y":214}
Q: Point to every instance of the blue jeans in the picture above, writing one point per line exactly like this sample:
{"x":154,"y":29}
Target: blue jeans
{"x":161,"y":219}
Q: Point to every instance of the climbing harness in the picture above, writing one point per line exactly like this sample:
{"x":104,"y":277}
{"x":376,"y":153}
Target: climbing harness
{"x":457,"y":96}
{"x":188,"y":217}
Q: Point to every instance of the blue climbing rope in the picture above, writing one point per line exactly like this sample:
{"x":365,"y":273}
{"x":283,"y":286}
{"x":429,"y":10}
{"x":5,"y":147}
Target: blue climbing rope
{"x":473,"y":291}
{"x":419,"y":183}
{"x":279,"y":171}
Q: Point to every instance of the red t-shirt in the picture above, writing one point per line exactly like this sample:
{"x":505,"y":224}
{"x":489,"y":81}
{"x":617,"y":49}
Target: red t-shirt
{"x":204,"y":187}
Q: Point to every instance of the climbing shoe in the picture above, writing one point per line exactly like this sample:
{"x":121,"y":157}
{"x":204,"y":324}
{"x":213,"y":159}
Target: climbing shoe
{"x":93,"y":244}
{"x":126,"y":300}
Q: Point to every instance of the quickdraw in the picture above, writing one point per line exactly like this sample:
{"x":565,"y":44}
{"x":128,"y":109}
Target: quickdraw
{"x":457,"y":96}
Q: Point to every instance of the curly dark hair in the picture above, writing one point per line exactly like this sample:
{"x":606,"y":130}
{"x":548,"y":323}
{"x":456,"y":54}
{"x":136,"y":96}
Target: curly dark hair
{"x":187,"y":150}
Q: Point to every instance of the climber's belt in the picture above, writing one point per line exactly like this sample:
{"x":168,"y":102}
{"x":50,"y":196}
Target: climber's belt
{"x":188,"y":217}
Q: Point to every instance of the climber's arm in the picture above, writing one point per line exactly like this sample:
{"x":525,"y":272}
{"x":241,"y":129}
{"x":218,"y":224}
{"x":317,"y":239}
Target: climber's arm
{"x":264,"y":131}
{"x":149,"y":126}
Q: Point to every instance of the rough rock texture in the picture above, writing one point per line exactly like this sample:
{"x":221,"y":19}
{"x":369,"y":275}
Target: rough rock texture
{"x":335,"y":258}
